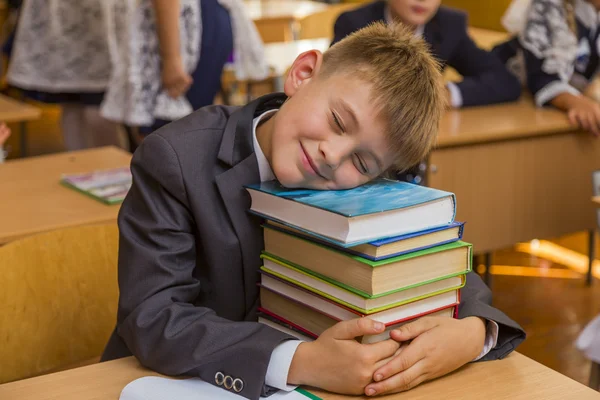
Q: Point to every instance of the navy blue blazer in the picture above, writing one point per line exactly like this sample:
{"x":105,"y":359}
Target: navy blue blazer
{"x":486,"y":79}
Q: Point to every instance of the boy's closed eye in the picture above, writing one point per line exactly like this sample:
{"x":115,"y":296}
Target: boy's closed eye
{"x":360,"y":164}
{"x":338,"y":125}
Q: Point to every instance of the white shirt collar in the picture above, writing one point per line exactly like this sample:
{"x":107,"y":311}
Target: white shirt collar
{"x":387,"y":16}
{"x":264,"y":168}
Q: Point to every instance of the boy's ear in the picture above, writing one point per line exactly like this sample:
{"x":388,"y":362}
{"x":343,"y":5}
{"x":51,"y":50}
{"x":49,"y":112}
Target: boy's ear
{"x":306,"y":67}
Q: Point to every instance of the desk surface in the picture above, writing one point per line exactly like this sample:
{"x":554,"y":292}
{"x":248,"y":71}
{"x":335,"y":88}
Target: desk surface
{"x":15,"y":111}
{"x":516,"y":377}
{"x":282,"y":9}
{"x":34,"y":201}
{"x":501,"y":122}
{"x":596,"y":200}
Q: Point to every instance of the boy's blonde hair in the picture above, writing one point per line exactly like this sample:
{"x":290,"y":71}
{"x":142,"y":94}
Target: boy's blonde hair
{"x":407,"y":85}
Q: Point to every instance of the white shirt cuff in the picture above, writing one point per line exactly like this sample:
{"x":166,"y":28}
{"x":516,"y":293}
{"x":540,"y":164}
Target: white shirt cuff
{"x":456,"y":100}
{"x":279,"y":365}
{"x":553,"y":89}
{"x":491,"y":338}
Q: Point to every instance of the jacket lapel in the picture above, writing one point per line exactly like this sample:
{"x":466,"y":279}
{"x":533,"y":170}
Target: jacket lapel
{"x":237,"y":152}
{"x":433,"y":36}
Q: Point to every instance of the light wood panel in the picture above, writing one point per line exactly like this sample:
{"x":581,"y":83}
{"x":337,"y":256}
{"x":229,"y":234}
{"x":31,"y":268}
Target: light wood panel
{"x":58,"y":301}
{"x":320,"y":24}
{"x":516,"y":377}
{"x":483,"y":13}
{"x":519,"y":189}
{"x":278,"y":20}
{"x":15,"y":111}
{"x":33,"y":200}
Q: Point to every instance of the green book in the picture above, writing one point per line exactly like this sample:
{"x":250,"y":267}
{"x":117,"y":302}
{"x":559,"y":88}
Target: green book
{"x":350,"y":297}
{"x":364,"y":276}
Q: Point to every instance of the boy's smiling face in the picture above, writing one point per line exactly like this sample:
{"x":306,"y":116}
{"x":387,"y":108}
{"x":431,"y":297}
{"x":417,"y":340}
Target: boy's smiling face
{"x":328,"y":134}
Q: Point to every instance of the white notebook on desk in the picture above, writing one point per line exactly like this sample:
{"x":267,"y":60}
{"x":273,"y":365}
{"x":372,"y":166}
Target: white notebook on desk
{"x":156,"y":388}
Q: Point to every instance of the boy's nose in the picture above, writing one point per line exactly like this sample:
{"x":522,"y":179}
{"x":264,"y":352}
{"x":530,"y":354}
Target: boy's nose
{"x":336,"y":151}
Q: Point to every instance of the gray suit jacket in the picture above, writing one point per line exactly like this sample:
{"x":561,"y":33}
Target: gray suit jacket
{"x":189,"y":255}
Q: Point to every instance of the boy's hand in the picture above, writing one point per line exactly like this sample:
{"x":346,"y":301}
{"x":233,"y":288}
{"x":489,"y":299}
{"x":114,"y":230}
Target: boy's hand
{"x":439,"y":345}
{"x":337,"y":362}
{"x":175,"y":80}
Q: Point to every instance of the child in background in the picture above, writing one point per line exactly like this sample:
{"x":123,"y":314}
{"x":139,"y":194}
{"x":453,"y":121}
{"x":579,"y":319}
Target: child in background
{"x":4,"y":135}
{"x":60,"y":56}
{"x":170,"y":56}
{"x":485,"y":79}
{"x":555,"y":53}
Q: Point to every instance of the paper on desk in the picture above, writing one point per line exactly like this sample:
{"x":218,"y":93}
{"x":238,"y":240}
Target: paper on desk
{"x":156,"y":388}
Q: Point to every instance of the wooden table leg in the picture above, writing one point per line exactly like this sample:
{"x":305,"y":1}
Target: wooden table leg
{"x":591,"y":256}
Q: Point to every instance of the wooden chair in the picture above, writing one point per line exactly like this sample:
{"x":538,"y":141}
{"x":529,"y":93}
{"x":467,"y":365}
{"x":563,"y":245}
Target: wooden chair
{"x":58,"y":299}
{"x":320,"y":25}
{"x":595,"y":370}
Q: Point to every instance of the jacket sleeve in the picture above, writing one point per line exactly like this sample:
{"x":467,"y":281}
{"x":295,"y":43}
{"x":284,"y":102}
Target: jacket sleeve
{"x":476,"y":300}
{"x":342,"y":28}
{"x":157,"y":318}
{"x":486,"y":80}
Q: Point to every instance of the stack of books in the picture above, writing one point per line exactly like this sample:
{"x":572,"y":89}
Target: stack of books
{"x":388,"y":250}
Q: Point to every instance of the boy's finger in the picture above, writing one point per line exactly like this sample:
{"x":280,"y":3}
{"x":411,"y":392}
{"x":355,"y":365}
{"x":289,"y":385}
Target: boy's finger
{"x":356,"y":327}
{"x":402,"y":362}
{"x":400,"y":382}
{"x":413,"y":329}
{"x":384,"y":350}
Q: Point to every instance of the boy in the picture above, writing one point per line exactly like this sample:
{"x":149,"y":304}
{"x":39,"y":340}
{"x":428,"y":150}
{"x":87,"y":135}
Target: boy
{"x":485,"y":78}
{"x":189,"y":249}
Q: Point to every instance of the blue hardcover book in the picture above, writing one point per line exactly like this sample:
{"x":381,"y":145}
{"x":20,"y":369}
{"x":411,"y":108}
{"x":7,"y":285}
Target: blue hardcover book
{"x":379,"y":209}
{"x":384,"y":248}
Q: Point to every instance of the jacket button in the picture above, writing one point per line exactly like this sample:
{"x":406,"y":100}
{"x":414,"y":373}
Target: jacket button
{"x":219,"y":378}
{"x":238,"y":385}
{"x":228,"y":384}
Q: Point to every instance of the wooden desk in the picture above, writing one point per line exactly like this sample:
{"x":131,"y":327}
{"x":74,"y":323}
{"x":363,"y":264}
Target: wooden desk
{"x":34,"y":201}
{"x":277,"y":20}
{"x":15,"y":111}
{"x":518,"y":172}
{"x":516,"y":378}
{"x":486,"y":38}
{"x":596,"y":200}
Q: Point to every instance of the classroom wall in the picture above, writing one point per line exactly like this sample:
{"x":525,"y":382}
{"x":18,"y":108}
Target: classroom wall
{"x":482,"y":13}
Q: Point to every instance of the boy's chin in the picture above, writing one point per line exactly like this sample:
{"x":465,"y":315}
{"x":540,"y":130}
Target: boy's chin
{"x":294,"y":182}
